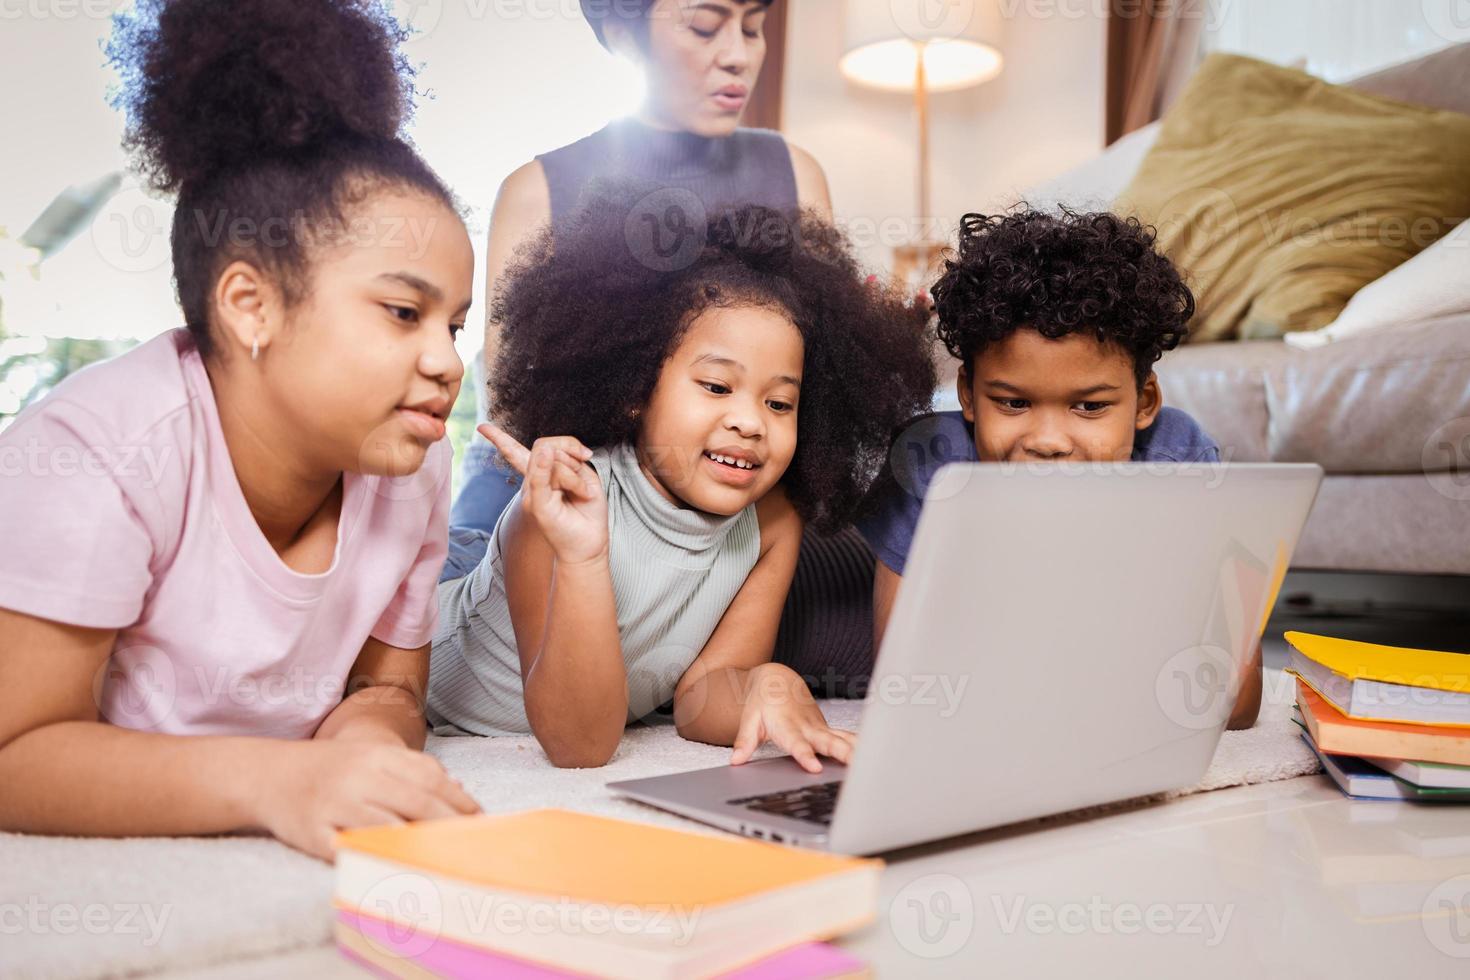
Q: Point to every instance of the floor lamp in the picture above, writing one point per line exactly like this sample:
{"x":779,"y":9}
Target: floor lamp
{"x":923,"y":47}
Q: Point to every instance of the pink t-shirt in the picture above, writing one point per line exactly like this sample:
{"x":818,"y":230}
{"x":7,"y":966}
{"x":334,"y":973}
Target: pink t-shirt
{"x":120,"y":509}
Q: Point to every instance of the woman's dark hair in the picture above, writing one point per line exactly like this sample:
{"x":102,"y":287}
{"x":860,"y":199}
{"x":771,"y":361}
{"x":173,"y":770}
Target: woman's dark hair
{"x":632,"y":12}
{"x":268,"y":119}
{"x":587,"y":326}
{"x":1060,"y":274}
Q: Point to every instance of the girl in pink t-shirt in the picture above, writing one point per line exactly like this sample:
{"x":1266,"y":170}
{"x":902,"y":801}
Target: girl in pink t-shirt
{"x":233,"y":532}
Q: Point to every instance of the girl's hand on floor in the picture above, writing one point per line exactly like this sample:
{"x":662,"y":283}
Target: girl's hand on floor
{"x":562,"y":492}
{"x":312,"y":789}
{"x":779,"y":708}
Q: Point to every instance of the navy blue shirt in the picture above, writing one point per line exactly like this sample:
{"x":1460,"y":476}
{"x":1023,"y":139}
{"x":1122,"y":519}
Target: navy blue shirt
{"x":945,"y":437}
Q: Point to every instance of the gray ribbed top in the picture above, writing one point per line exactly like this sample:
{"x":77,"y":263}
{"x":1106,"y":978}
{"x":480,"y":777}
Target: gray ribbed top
{"x":674,"y":573}
{"x":750,"y":166}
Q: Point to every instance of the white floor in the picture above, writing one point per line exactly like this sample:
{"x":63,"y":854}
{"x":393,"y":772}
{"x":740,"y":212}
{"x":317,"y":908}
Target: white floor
{"x":1284,"y":879}
{"x":1287,"y":879}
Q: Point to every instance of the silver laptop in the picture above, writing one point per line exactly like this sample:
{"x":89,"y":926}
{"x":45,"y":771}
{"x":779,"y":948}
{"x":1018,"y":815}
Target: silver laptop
{"x":1065,"y":636}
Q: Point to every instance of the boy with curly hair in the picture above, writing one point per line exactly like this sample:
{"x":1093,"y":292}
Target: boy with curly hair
{"x":1057,"y":321}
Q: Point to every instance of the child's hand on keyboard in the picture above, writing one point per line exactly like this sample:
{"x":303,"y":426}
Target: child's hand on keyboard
{"x":779,"y":709}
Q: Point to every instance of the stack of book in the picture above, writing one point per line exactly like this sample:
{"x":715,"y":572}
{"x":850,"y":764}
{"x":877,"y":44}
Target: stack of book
{"x":551,"y":893}
{"x":1387,"y":722}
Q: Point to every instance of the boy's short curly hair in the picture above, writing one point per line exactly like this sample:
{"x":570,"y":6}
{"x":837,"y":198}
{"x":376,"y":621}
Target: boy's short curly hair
{"x":1064,"y":273}
{"x":587,"y":325}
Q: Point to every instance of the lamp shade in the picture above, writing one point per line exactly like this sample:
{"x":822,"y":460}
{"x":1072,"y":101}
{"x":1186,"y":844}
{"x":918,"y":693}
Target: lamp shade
{"x":958,"y":40}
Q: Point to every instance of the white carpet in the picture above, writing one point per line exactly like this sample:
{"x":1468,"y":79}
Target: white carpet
{"x":84,"y":908}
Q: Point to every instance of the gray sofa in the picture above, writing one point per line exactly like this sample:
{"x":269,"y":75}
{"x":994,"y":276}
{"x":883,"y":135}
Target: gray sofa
{"x":1387,"y":415}
{"x":1375,"y":412}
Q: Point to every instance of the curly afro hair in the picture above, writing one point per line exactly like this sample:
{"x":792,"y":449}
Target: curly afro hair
{"x":587,"y":326}
{"x":272,"y":115}
{"x":1060,"y":274}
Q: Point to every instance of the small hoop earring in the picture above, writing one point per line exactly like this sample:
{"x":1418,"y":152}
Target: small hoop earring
{"x":255,"y":349}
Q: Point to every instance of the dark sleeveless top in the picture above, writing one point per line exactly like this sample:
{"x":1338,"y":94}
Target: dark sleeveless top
{"x":826,"y":632}
{"x":750,"y":166}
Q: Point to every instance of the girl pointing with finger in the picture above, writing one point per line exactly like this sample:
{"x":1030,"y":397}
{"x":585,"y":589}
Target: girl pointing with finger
{"x":676,"y":427}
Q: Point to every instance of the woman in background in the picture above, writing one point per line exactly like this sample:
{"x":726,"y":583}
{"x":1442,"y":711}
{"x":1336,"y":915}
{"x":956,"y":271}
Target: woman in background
{"x":684,"y":147}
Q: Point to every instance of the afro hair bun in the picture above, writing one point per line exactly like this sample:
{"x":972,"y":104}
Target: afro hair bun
{"x":213,"y":85}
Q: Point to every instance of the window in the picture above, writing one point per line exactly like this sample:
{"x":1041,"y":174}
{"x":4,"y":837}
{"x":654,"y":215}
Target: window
{"x":498,"y":83}
{"x":1336,"y":39}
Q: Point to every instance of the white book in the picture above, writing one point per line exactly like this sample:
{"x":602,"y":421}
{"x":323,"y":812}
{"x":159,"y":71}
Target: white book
{"x":1382,"y":700}
{"x":1429,"y":775}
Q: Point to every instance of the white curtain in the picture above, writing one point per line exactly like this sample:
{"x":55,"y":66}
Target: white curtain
{"x":1336,"y":39}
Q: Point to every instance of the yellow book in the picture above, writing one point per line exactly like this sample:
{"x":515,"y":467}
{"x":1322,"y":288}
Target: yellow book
{"x":597,"y":895}
{"x":1373,"y":682}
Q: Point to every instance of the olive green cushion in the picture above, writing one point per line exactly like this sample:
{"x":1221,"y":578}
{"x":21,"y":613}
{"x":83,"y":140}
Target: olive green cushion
{"x":1279,"y":196}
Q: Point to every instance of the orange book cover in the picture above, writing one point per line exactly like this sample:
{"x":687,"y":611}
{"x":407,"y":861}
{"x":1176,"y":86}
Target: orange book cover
{"x":1335,"y":732}
{"x":588,"y":858}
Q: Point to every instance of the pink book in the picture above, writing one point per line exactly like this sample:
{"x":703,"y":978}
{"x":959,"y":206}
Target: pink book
{"x":378,"y":946}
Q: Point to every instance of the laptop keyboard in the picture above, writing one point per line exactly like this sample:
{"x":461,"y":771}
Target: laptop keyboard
{"x":814,"y":803}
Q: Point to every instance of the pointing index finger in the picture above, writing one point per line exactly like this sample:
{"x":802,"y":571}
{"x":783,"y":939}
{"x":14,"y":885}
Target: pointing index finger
{"x":510,"y":450}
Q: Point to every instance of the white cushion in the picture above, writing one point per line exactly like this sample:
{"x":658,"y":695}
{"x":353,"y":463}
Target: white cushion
{"x":1436,"y":282}
{"x":1092,"y":186}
